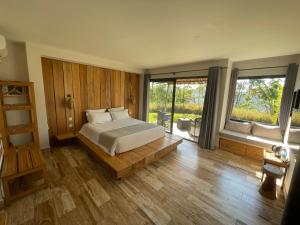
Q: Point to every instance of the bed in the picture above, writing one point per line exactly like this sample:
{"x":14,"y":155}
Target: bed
{"x":126,"y":145}
{"x":115,"y":137}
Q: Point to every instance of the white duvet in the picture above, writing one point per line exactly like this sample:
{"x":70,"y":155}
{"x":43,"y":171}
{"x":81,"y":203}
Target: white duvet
{"x":125,"y":143}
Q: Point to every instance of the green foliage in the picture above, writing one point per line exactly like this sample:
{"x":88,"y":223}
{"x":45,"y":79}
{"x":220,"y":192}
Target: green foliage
{"x":252,"y":115}
{"x":258,"y":99}
{"x":296,"y":119}
{"x":152,"y":117}
{"x":189,"y":108}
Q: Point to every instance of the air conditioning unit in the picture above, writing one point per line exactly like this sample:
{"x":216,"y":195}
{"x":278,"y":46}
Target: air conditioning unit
{"x":3,"y":49}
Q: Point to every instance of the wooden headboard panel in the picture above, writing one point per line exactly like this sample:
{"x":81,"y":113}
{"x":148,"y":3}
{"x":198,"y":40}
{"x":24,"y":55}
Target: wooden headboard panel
{"x":90,"y":87}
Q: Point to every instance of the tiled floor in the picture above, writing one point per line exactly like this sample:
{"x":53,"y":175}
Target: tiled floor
{"x":189,"y":186}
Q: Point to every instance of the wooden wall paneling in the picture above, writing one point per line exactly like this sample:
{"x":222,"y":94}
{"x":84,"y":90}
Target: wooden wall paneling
{"x":90,"y":87}
{"x":117,"y":88}
{"x":59,"y":93}
{"x":49,"y":96}
{"x":68,"y":87}
{"x":83,"y":91}
{"x":131,"y":95}
{"x":127,"y":91}
{"x":122,"y":87}
{"x":77,"y":96}
{"x":97,"y":87}
{"x":136,"y":94}
{"x":106,"y":88}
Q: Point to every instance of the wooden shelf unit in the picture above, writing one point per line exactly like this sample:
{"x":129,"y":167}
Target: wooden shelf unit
{"x":23,"y":165}
{"x":12,"y":107}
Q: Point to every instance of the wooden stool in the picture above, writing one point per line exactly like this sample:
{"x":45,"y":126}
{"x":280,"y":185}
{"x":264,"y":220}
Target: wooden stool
{"x":268,"y":187}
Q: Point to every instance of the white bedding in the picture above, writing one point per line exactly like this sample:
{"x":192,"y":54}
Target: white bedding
{"x":125,"y":143}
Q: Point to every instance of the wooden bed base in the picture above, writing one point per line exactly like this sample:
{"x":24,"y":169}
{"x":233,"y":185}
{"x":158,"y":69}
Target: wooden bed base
{"x":125,"y":164}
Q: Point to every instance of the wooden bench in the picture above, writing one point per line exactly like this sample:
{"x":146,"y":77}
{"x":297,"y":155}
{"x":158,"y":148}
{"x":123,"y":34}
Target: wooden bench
{"x":241,"y":148}
{"x":22,"y":166}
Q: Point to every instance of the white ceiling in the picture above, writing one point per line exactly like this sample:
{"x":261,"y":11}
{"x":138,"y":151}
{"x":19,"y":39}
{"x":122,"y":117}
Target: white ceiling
{"x":154,"y":33}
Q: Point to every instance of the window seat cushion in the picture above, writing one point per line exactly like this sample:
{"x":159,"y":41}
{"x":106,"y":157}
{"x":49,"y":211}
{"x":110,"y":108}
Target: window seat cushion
{"x":265,"y":131}
{"x":254,"y":140}
{"x":250,"y":139}
{"x":241,"y":127}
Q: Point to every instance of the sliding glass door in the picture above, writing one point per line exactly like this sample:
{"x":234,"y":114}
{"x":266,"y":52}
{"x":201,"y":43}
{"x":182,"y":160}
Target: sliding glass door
{"x":161,"y":103}
{"x":188,"y":108}
{"x":177,"y":104}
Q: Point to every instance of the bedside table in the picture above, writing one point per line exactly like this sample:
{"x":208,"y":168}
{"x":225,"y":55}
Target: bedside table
{"x":66,"y":136}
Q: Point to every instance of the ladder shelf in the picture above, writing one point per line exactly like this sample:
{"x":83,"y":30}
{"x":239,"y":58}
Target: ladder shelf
{"x":23,"y":165}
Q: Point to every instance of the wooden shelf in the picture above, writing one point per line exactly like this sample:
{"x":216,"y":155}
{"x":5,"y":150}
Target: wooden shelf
{"x":24,"y":169}
{"x":8,"y":107}
{"x":66,"y":136}
{"x":15,"y":96}
{"x":10,"y":163}
{"x":16,"y":83}
{"x":19,"y":129}
{"x":21,"y":159}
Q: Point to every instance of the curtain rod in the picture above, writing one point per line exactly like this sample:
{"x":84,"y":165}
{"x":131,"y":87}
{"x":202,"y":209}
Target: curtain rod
{"x":183,"y":71}
{"x":259,"y":68}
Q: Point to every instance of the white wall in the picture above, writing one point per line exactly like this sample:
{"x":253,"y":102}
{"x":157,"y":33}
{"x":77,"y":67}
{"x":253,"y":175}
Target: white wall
{"x":265,"y":62}
{"x":35,"y":52}
{"x":14,"y":67}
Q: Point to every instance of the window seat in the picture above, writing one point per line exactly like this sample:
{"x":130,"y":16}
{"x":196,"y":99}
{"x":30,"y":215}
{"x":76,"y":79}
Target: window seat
{"x":253,"y":140}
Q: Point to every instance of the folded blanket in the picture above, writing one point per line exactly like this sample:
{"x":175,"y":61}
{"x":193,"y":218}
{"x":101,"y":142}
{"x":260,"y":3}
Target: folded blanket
{"x":108,"y":138}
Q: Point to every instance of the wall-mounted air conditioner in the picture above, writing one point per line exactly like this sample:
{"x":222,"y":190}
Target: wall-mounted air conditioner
{"x":3,"y":49}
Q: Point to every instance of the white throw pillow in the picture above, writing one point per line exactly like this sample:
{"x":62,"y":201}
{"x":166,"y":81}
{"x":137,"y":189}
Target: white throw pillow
{"x":240,"y":127}
{"x":118,"y":115}
{"x":92,"y":111}
{"x":271,"y":132}
{"x":116,"y":109}
{"x":98,"y":117}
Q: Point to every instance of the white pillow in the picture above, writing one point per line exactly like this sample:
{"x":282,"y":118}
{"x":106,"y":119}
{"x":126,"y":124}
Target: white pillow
{"x":240,"y":127}
{"x":271,"y":132}
{"x":98,"y":117}
{"x":116,"y":109}
{"x":91,"y":111}
{"x":118,"y":115}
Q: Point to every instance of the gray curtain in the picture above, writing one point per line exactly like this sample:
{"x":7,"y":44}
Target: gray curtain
{"x":287,"y":97}
{"x":231,"y":92}
{"x":210,"y":109}
{"x":145,"y":96}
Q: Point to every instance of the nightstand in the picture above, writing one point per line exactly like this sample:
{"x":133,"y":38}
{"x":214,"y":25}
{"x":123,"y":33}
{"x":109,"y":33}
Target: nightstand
{"x":66,"y":136}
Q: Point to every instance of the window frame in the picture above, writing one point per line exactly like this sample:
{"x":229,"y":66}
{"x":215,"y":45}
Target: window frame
{"x":257,"y":77}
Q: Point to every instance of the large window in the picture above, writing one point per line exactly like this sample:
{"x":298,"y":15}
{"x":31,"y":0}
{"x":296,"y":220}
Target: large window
{"x":258,"y":99}
{"x":295,"y":118}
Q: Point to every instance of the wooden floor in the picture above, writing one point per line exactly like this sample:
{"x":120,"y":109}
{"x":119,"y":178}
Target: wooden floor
{"x":189,"y":186}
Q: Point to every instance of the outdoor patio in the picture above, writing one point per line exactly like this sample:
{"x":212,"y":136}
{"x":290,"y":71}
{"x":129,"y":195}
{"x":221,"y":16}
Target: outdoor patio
{"x":184,"y":133}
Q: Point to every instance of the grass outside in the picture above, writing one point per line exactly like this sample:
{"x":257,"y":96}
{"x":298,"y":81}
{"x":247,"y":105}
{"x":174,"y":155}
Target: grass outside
{"x":296,"y":119}
{"x":239,"y":114}
{"x":253,"y":115}
{"x":153,"y":116}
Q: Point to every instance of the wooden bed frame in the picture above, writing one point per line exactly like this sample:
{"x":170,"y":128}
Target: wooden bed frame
{"x":127,"y":163}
